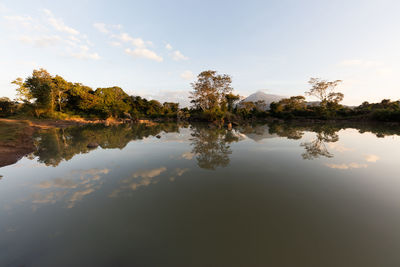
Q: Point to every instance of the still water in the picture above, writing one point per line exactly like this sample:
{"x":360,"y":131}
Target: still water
{"x":262,"y":195}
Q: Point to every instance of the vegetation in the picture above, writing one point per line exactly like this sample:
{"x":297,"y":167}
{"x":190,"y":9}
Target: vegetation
{"x":43,"y":95}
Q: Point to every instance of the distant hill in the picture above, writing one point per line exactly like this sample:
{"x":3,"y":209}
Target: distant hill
{"x":268,"y":98}
{"x":313,"y":103}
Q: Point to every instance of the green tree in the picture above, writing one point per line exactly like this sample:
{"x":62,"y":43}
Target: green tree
{"x":112,"y":101}
{"x":292,"y":104}
{"x":60,"y":89}
{"x":40,"y":86}
{"x":81,"y":98}
{"x":210,"y":89}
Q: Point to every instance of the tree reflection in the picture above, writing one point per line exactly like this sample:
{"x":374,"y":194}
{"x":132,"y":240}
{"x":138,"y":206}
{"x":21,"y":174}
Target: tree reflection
{"x":211,"y":146}
{"x":55,"y":145}
{"x":286,"y":130}
{"x":317,"y":147}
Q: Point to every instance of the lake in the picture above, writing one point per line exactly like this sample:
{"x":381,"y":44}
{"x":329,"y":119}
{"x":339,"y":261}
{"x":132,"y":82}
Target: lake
{"x":193,"y":195}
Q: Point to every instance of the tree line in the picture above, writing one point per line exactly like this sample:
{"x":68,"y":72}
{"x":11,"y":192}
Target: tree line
{"x":43,"y":95}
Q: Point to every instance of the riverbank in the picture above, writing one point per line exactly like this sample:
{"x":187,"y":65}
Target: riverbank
{"x":15,"y":141}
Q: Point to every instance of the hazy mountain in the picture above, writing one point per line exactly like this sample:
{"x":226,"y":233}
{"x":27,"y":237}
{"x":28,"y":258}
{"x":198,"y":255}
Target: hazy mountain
{"x":268,"y":98}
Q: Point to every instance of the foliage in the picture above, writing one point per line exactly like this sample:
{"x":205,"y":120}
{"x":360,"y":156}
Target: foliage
{"x":111,"y":101}
{"x":7,"y":107}
{"x":44,"y":95}
{"x":209,"y":91}
{"x":324,"y":91}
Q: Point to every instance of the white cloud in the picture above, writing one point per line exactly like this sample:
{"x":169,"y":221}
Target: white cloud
{"x":58,"y":24}
{"x":101,"y":27}
{"x":116,"y":44}
{"x":177,"y":56}
{"x":187,"y":75}
{"x":85,"y":53}
{"x":59,"y":35}
{"x":42,"y":41}
{"x":125,"y":37}
{"x":74,"y":39}
{"x":144,"y":53}
{"x":168,"y":46}
{"x":371,"y":158}
{"x":25,"y":21}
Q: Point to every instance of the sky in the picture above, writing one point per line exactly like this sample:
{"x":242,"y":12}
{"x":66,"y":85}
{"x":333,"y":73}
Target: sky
{"x":155,"y":49}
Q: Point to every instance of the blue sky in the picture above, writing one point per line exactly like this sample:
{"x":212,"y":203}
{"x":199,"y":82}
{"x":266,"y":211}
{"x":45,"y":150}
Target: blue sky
{"x":156,"y":48}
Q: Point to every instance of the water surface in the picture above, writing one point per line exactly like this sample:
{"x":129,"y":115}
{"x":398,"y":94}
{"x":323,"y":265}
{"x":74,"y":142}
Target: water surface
{"x":262,"y":195}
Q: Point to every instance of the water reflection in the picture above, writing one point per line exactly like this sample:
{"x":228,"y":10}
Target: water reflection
{"x":211,"y":147}
{"x":135,"y":202}
{"x":56,"y":145}
{"x":317,"y":147}
{"x":70,"y":189}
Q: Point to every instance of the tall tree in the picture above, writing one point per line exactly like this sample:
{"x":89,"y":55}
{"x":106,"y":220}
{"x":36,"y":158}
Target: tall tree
{"x":60,"y":89}
{"x":325,"y":91}
{"x":210,"y":89}
{"x":40,"y":86}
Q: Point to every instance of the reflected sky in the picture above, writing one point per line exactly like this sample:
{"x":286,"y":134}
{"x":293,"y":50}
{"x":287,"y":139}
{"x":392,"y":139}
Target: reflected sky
{"x":319,"y":193}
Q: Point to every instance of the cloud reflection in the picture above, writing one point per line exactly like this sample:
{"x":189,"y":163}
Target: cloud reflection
{"x":371,"y":158}
{"x":144,"y":178}
{"x":76,"y":185}
{"x":348,"y":166}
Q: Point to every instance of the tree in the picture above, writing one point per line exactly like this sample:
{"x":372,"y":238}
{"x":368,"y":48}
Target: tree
{"x":23,"y":93}
{"x":154,"y":107}
{"x":40,"y":86}
{"x":112,"y":101}
{"x":248,"y":106}
{"x":260,"y":105}
{"x":170,"y":107}
{"x":7,"y":107}
{"x":324,"y":91}
{"x":210,"y":89}
{"x":231,"y":99}
{"x":60,"y":88}
{"x":291,"y":104}
{"x":81,"y":98}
